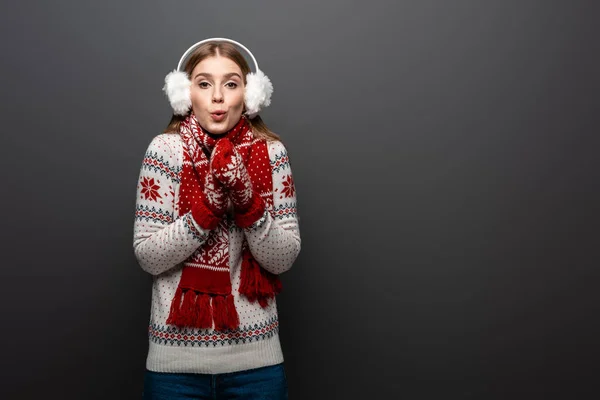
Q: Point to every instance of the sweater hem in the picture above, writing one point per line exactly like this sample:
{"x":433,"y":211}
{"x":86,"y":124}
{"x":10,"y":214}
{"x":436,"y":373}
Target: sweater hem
{"x":214,"y":360}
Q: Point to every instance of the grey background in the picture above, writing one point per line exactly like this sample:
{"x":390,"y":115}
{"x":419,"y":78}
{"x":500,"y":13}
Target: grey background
{"x":445,"y":159}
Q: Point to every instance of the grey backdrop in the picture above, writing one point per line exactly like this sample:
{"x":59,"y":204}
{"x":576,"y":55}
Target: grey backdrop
{"x":445,"y":159}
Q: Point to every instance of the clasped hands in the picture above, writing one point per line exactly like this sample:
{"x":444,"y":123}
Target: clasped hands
{"x":229,"y":178}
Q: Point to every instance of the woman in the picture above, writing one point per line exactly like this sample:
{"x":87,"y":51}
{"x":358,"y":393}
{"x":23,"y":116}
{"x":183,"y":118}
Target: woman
{"x":216,"y":224}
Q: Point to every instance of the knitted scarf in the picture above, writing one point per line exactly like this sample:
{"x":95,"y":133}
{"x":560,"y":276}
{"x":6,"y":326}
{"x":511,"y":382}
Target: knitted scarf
{"x":204,"y":294}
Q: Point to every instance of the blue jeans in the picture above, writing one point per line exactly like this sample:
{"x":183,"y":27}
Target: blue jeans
{"x":266,"y":383}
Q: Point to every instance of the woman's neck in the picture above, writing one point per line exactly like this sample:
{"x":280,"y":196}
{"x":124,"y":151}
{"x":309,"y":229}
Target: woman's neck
{"x":215,"y":135}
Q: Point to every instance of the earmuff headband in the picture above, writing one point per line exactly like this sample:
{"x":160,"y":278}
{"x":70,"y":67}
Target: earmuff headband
{"x":237,"y":44}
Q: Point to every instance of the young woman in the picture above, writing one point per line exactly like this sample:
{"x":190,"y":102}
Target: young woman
{"x":216,"y":224}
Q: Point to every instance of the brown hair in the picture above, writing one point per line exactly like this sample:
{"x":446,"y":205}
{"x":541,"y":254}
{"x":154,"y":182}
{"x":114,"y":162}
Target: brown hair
{"x":213,"y":49}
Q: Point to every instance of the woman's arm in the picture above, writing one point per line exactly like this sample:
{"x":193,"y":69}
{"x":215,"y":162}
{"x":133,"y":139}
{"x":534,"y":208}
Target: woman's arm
{"x":275,"y":241}
{"x":161,"y":240}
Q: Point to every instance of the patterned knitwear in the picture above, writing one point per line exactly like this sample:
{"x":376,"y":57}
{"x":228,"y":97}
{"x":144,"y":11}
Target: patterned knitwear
{"x":164,"y":239}
{"x":241,"y":161}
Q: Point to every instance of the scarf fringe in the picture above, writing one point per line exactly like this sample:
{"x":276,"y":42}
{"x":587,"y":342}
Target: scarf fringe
{"x":225,"y":314}
{"x":195,"y":310}
{"x":204,"y":318}
{"x":258,"y":284}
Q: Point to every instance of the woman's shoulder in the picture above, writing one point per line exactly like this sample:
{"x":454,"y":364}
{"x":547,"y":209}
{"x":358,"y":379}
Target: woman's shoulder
{"x":274,"y":144}
{"x":171,"y":138}
{"x":278,"y":155}
{"x":165,"y":142}
{"x":164,"y":154}
{"x":276,"y":149}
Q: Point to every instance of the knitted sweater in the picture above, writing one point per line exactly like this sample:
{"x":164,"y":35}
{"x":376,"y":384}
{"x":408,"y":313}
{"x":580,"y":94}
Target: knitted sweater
{"x":163,"y":240}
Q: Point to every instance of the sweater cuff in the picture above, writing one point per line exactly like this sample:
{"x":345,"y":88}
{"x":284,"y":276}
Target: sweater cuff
{"x":253,"y":213}
{"x":204,"y":217}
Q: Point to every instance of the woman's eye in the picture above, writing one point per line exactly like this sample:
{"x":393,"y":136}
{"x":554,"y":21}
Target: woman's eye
{"x":203,"y":85}
{"x":232,"y":85}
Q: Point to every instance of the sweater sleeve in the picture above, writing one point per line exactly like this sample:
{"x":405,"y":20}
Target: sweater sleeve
{"x":274,"y":239}
{"x":162,"y":240}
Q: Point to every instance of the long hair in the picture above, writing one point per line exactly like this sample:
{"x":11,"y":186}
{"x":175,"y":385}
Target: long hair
{"x":224,"y":49}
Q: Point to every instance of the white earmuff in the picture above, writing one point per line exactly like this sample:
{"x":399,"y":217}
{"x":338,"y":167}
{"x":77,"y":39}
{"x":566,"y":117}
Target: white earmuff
{"x":257,"y":94}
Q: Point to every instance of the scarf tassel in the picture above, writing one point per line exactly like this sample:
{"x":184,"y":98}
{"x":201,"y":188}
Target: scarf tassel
{"x":195,"y":310}
{"x":225,"y":314}
{"x":205,"y":311}
{"x":257,"y":283}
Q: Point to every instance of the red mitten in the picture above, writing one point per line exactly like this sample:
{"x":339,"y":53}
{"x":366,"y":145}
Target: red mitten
{"x":212,"y":205}
{"x":228,"y":167}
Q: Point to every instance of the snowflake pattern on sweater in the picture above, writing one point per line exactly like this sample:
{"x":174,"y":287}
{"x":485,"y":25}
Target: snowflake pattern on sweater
{"x":163,"y":240}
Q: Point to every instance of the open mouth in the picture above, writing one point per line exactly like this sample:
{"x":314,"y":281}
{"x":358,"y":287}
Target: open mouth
{"x":219,"y":115}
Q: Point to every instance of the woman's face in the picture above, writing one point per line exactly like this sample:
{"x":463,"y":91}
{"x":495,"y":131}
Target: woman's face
{"x":217,"y":94}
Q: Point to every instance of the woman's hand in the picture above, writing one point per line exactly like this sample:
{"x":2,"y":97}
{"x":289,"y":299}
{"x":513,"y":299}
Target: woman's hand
{"x":212,"y":204}
{"x":214,"y":195}
{"x":228,"y":168}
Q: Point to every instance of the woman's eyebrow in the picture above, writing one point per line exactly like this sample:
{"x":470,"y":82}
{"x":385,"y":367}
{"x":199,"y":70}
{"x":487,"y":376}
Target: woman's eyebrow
{"x":227,"y":75}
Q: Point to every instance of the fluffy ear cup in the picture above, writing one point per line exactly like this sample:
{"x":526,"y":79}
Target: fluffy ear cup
{"x":177,"y":87}
{"x":258,"y":92}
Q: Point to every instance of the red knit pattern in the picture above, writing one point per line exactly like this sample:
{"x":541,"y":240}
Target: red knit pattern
{"x":204,"y":294}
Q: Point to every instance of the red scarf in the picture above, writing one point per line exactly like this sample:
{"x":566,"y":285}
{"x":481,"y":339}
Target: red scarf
{"x":203,"y":295}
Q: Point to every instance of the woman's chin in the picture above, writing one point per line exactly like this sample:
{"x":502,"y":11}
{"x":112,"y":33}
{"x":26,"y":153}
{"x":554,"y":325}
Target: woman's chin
{"x":216,"y":128}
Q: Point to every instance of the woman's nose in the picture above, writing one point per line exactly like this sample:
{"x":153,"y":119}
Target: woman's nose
{"x":217,"y":96}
